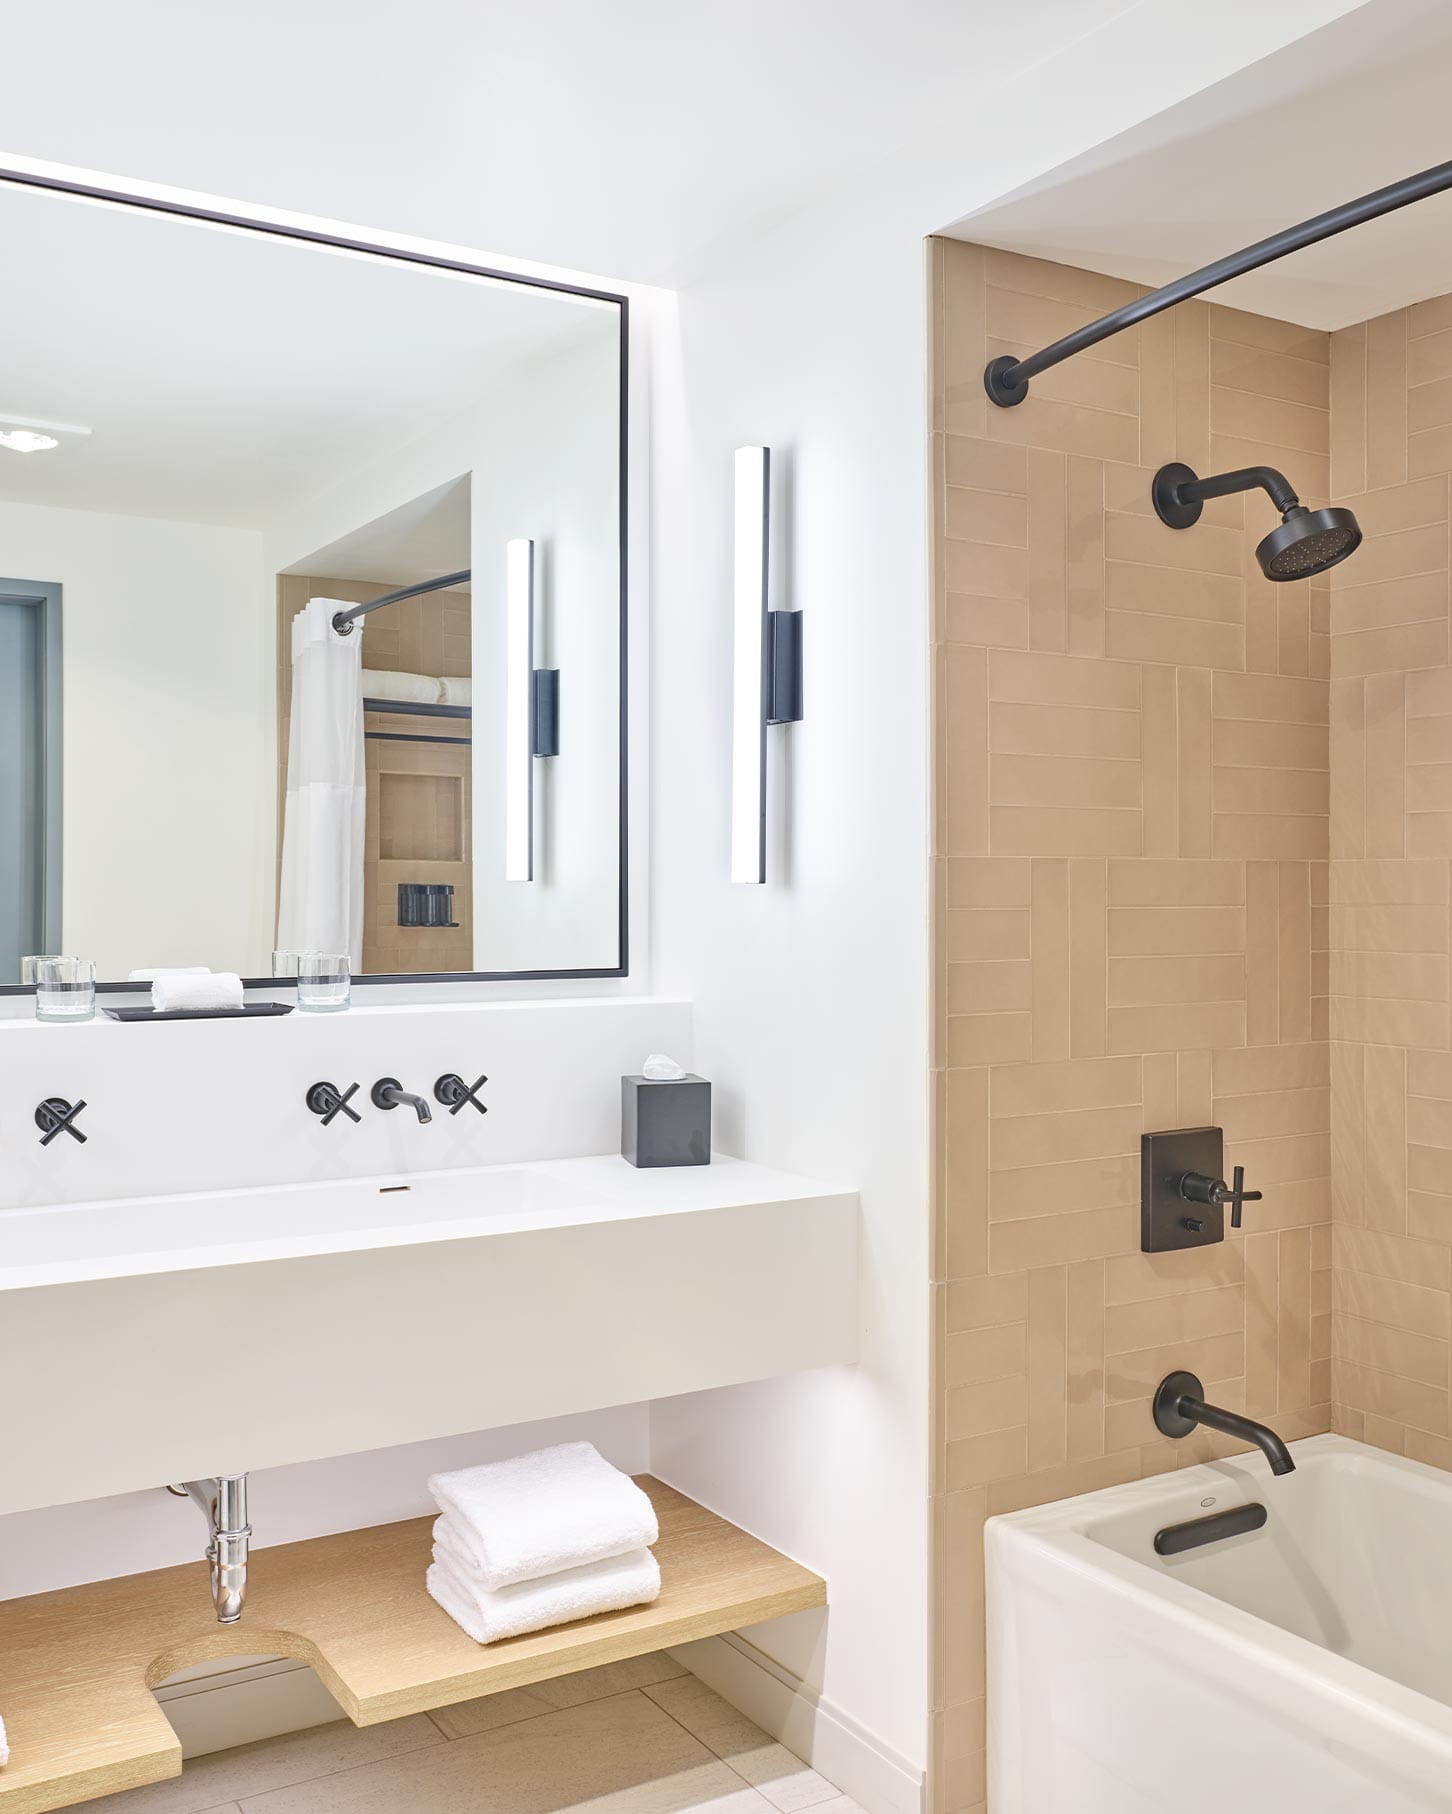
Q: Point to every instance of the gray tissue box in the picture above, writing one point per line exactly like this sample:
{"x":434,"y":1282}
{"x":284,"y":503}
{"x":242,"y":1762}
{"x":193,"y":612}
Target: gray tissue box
{"x":665,"y":1123}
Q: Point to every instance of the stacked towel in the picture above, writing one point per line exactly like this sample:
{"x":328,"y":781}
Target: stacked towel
{"x":458,"y":689}
{"x":547,"y":1537}
{"x":175,"y":990}
{"x":389,"y":683}
{"x":150,"y":976}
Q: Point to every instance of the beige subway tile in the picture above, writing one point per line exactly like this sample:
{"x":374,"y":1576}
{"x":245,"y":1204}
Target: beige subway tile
{"x":1063,"y":1239}
{"x":1193,"y":696}
{"x":987,"y":934}
{"x":971,"y":515}
{"x":1348,"y":410}
{"x":997,"y":987}
{"x":1160,"y":734}
{"x":1430,"y":1074}
{"x":1387,"y":376}
{"x":1429,"y":738}
{"x":988,"y":882}
{"x":1161,"y":1089}
{"x":1379,"y":882}
{"x":1435,"y":1451}
{"x":984,"y":1303}
{"x":1158,"y":439}
{"x":1064,"y":831}
{"x":973,"y":1356}
{"x":1152,"y":883}
{"x":1255,"y":416}
{"x":1143,"y":1277}
{"x":1196,"y":1087}
{"x":1411,"y":1262}
{"x":1265,"y":374}
{"x":1077,"y":1184}
{"x":1286,"y":1158}
{"x":1021,"y":308}
{"x":1371,"y":1344}
{"x":1185,"y":1317}
{"x":1429,"y":784}
{"x":1047,"y":550}
{"x":1262,"y":954}
{"x":1050,"y":941}
{"x":1084,"y":1359}
{"x":964,"y":1205}
{"x":1062,"y":730}
{"x":1271,"y":835}
{"x":1418,"y":599}
{"x":1390,"y":928}
{"x":1037,"y":1140}
{"x":1157,"y":981}
{"x":958,"y":1560}
{"x":1130,"y":586}
{"x":1429,"y":452}
{"x":1085,"y":556}
{"x":1136,"y":1374}
{"x":981,"y":465}
{"x":1042,"y":1089}
{"x":981,"y":1039}
{"x":1130,"y":1423}
{"x":1047,"y":1367}
{"x":1312,"y":471}
{"x":1429,"y":1215}
{"x":965,"y":752}
{"x":1348,"y":747}
{"x":1088,"y":914}
{"x":1265,"y":331}
{"x":1404,"y":975}
{"x":1294,"y":1320}
{"x":995,"y":1455}
{"x":1262,"y":1304}
{"x":1275,"y":1112}
{"x":1429,"y":692}
{"x":1089,"y":1474}
{"x":1145,"y":540}
{"x":1429,"y":405}
{"x":986,"y":569}
{"x":1068,"y":428}
{"x":1403,"y":646}
{"x":1387,"y":1395}
{"x":1198,"y":1026}
{"x":1285,"y":1067}
{"x":1175,"y":931}
{"x":1186,"y":641}
{"x":1046,"y":679}
{"x":1264,"y":744}
{"x":1292,"y":1202}
{"x":1429,"y":317}
{"x":1429,"y":1124}
{"x":986,"y":623}
{"x":990,"y":1404}
{"x":1063,"y":781}
{"x":1272,"y":790}
{"x":1286,"y":699}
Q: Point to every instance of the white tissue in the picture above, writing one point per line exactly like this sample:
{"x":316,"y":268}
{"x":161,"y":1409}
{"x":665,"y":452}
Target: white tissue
{"x":660,"y":1069}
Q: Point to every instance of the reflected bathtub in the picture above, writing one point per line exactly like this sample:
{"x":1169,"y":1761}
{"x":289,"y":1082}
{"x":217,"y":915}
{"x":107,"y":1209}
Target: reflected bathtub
{"x":1301,"y":1668}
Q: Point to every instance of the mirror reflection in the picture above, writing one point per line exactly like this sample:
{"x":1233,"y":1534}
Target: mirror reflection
{"x":310,"y":619}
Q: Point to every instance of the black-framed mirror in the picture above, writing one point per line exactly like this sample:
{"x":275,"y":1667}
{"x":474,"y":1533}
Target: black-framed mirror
{"x":312,"y":602}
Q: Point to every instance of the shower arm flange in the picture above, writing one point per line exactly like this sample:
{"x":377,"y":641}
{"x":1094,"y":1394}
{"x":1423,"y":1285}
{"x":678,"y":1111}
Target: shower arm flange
{"x":1006,"y":379}
{"x":1179,"y":493}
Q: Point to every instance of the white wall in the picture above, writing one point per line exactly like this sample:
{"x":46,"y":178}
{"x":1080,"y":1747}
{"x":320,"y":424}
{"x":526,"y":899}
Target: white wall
{"x":168,"y":785}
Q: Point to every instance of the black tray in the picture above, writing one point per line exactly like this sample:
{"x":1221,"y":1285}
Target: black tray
{"x":242,"y":1013}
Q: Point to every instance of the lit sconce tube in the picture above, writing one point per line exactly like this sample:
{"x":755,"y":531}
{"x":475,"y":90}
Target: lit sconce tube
{"x":766,"y":665}
{"x":531,"y":712}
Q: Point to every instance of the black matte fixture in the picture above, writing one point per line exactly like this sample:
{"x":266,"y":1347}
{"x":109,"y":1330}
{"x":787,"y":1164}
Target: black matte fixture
{"x":1179,"y":1408}
{"x":1006,"y":379}
{"x":1307,"y":542}
{"x":57,"y":1116}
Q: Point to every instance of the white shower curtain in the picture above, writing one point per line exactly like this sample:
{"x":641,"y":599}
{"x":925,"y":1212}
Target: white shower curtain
{"x":320,"y":905}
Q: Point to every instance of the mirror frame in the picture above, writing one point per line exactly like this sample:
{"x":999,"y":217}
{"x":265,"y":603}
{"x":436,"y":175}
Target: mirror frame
{"x":343,"y":243}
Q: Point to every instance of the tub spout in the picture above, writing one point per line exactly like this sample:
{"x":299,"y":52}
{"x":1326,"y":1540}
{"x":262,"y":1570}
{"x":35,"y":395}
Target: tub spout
{"x":223,"y":1503}
{"x":1179,"y":1407}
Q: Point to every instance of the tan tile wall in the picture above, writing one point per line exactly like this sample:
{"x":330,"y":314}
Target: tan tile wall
{"x":1133,"y":918}
{"x":1391,"y":838}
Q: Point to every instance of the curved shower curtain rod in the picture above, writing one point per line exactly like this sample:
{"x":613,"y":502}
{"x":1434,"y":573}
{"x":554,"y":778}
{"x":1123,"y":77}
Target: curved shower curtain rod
{"x":1007,"y":379}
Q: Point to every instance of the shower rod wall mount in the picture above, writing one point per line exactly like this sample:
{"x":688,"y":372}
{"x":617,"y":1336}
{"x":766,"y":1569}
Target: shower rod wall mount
{"x":1006,"y":379}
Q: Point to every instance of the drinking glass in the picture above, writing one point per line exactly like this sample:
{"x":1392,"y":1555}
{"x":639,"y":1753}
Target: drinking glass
{"x":323,"y":982}
{"x":65,"y":988}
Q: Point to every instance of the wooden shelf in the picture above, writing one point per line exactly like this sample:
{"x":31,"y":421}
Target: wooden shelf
{"x":77,"y":1667}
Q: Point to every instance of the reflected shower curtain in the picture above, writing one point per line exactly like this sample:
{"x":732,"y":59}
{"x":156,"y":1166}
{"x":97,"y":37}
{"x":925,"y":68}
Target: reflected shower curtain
{"x":320,"y":900}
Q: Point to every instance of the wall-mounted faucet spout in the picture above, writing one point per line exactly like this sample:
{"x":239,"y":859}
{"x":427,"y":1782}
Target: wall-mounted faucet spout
{"x":223,"y":1503}
{"x":388,"y":1092}
{"x":1179,"y":1408}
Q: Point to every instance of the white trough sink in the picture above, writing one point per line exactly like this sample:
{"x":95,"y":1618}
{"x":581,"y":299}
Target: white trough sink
{"x":152,"y":1339}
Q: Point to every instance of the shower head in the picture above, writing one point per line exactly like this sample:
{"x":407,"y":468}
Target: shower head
{"x":1307,"y":541}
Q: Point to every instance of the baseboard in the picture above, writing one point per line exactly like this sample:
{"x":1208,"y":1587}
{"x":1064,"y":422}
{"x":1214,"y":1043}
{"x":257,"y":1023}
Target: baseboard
{"x":831,"y":1741}
{"x":238,"y":1700}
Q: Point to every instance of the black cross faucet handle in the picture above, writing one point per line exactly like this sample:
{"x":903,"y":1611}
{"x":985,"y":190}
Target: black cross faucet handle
{"x":327,"y":1100}
{"x":55,"y":1115}
{"x":1238,"y":1194}
{"x":453,"y":1092}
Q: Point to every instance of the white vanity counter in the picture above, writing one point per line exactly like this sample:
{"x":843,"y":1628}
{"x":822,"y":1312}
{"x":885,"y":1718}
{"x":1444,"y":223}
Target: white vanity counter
{"x":150,"y":1339}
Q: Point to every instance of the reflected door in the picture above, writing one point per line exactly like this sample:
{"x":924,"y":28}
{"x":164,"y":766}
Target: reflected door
{"x":22,"y":781}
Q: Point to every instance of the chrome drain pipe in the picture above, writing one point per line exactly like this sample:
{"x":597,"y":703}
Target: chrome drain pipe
{"x":223,"y":1503}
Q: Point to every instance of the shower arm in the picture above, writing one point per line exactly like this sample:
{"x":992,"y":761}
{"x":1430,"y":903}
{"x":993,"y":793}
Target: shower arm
{"x":1276,"y":486}
{"x":1006,"y":379}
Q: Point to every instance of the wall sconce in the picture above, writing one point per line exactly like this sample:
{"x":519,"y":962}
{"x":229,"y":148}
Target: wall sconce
{"x":531,"y":711}
{"x":766,"y":665}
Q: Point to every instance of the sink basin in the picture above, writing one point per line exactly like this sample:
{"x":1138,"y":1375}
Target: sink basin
{"x":360,"y":1314}
{"x":122,"y":1235}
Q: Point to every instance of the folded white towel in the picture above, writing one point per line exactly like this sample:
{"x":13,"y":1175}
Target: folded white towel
{"x":389,"y":683}
{"x":150,"y":976}
{"x":458,"y":689}
{"x":542,"y":1512}
{"x":574,"y":1593}
{"x":174,"y":990}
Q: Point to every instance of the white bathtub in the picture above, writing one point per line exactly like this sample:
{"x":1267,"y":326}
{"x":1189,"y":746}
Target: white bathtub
{"x":1304,"y":1668}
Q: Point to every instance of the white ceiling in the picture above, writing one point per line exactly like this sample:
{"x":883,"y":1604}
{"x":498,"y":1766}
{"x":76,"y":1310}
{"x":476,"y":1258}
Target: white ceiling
{"x":619,"y":136}
{"x":227,"y":375}
{"x":1353,"y":107}
{"x":429,"y":535}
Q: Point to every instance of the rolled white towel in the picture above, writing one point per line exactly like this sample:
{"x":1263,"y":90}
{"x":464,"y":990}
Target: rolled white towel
{"x":574,"y":1593}
{"x":458,"y":689}
{"x":4,"y":1747}
{"x":176,"y":990}
{"x":390,"y":683}
{"x":150,"y":976}
{"x":539,"y":1513}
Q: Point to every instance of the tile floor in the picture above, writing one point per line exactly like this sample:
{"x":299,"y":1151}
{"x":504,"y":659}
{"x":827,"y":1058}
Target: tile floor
{"x":640,"y":1737}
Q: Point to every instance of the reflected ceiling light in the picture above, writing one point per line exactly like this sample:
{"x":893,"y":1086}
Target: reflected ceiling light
{"x":29,"y":434}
